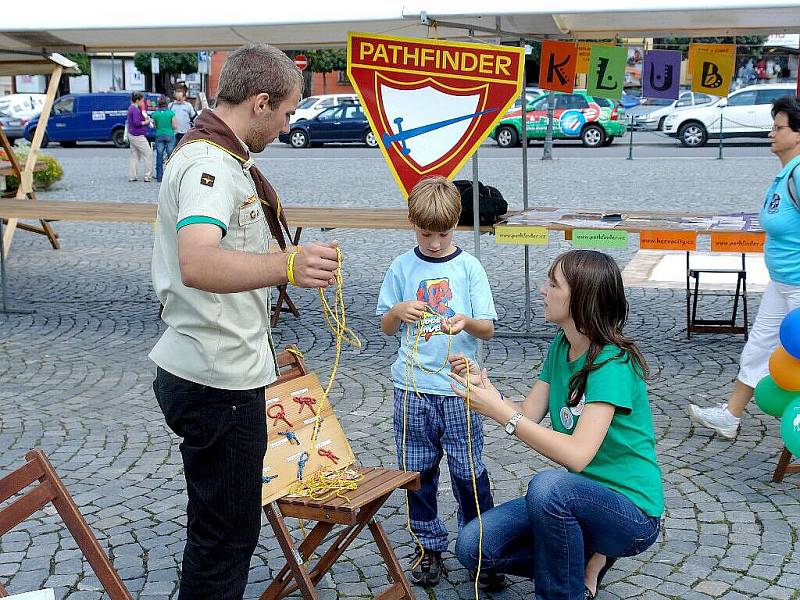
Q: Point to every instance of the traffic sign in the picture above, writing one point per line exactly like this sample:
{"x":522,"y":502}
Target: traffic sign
{"x":301,"y":61}
{"x":431,"y":103}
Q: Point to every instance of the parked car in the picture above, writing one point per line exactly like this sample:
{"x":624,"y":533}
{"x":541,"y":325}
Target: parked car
{"x":12,"y":126}
{"x":310,"y":107}
{"x":22,"y":106}
{"x":631,"y":97}
{"x":340,"y":124}
{"x":95,"y":117}
{"x":651,"y":112}
{"x":595,"y":121}
{"x":531,"y":94}
{"x":744,"y":113}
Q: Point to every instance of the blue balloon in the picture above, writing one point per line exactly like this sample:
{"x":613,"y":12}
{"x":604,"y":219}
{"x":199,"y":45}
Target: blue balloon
{"x":790,"y":333}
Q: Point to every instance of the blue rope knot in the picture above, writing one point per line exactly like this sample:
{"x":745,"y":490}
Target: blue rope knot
{"x":290,"y":436}
{"x":301,"y":464}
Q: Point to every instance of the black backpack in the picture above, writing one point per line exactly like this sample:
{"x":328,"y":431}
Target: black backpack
{"x":490,"y":202}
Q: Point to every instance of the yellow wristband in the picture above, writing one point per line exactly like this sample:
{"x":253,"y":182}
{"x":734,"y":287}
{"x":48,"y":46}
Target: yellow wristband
{"x":290,"y":268}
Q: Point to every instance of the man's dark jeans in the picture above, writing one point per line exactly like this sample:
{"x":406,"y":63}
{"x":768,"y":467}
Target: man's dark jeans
{"x":224,"y":440}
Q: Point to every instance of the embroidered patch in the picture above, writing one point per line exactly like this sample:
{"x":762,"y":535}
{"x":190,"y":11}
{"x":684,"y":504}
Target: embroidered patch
{"x":774,"y":203}
{"x":567,"y":420}
{"x":206,"y":179}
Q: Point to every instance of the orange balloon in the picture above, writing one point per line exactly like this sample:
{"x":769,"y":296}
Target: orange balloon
{"x":785,"y":369}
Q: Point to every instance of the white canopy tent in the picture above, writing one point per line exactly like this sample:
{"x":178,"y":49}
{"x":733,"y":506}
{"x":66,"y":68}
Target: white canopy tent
{"x":93,"y":26}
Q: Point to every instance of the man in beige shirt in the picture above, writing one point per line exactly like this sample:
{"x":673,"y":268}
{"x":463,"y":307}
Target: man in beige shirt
{"x":212,"y":271}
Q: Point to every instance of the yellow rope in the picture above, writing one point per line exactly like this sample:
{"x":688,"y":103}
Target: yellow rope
{"x":412,"y":359}
{"x":474,"y":485}
{"x":328,"y":482}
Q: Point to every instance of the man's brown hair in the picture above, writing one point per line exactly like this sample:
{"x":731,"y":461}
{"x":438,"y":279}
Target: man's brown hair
{"x":434,"y":204}
{"x":258,"y":69}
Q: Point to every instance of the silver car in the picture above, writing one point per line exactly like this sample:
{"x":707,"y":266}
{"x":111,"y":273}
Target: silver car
{"x":12,"y":126}
{"x":649,"y":115}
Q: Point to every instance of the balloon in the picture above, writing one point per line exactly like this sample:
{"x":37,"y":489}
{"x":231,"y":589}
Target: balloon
{"x":773,"y":399}
{"x":790,"y":427}
{"x":785,"y":369}
{"x":790,"y":333}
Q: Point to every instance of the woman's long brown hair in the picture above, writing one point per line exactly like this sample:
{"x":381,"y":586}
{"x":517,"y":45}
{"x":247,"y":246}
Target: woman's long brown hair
{"x":599,"y":308}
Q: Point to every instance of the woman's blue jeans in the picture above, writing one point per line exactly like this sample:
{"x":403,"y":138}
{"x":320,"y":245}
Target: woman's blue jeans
{"x":165,"y":144}
{"x":549,"y":534}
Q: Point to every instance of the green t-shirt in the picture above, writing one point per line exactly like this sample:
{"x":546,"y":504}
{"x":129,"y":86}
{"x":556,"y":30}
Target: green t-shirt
{"x":163,"y":120}
{"x":626,"y":460}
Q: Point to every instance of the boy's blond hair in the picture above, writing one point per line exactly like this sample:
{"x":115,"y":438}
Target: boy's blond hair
{"x":434,"y":204}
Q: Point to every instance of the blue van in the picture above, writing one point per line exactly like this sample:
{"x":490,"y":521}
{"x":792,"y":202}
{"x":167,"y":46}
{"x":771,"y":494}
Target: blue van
{"x":96,"y":117}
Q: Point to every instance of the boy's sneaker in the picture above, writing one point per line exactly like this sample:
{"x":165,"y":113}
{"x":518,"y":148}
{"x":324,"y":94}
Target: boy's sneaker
{"x":490,"y":580}
{"x":717,"y":418}
{"x":426,"y":572}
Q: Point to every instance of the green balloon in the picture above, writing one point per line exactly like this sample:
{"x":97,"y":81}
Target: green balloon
{"x":771,"y":398}
{"x":790,"y":427}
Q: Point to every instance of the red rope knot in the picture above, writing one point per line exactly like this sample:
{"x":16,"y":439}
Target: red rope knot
{"x":329,"y":454}
{"x":276,"y":413}
{"x":305,"y":401}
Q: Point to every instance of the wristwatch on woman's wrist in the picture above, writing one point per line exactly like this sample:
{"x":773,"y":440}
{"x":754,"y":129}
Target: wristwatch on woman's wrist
{"x":511,"y":425}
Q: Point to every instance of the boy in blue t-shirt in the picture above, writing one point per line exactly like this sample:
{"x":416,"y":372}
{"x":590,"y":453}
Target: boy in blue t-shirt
{"x":437,"y":296}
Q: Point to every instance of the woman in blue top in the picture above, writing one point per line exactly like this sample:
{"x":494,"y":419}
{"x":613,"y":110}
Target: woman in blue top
{"x":780,"y":219}
{"x":567,"y":530}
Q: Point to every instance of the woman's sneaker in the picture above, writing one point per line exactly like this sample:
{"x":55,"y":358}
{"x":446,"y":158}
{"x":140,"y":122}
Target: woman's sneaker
{"x":489,"y":580}
{"x":427,"y":571}
{"x":717,"y":418}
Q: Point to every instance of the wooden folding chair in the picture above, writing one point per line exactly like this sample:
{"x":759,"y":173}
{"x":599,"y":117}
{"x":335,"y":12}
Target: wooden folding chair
{"x":50,"y":489}
{"x":290,"y":364}
{"x":784,"y":466}
{"x":356,"y":513}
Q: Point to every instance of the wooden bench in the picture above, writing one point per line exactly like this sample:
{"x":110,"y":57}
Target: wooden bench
{"x":323,"y":217}
{"x":355,"y":513}
{"x":48,"y":488}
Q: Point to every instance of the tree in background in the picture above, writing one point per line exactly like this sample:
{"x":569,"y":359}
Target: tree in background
{"x":326,"y":61}
{"x":169,"y":63}
{"x":84,"y":64}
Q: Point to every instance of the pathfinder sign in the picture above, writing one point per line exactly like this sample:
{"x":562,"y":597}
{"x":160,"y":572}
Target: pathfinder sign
{"x":431,"y":103}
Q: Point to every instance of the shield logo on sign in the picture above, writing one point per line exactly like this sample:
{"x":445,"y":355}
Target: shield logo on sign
{"x":430,"y":103}
{"x":427,"y":138}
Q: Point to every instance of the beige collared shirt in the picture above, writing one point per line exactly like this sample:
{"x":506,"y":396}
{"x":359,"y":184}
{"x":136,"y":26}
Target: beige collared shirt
{"x":219,"y":340}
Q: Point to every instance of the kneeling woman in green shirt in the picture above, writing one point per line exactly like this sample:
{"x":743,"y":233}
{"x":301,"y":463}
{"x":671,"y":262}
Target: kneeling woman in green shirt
{"x":571,"y":525}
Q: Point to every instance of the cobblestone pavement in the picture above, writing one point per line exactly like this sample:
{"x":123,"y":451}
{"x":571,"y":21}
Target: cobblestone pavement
{"x":75,"y":380}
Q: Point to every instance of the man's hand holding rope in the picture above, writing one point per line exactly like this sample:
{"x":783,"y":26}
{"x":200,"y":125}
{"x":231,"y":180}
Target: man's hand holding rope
{"x":314,"y":265}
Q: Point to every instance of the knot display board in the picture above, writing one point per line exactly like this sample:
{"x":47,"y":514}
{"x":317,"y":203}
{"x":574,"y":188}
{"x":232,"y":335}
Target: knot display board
{"x":292,"y":408}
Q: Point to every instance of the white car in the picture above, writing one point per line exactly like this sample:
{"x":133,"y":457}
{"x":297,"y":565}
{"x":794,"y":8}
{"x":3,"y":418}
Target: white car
{"x":313,"y":105}
{"x":650,"y":114}
{"x":745,"y":113}
{"x":22,"y":106}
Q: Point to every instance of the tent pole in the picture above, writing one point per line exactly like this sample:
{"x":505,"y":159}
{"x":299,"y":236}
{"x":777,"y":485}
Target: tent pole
{"x":4,"y":307}
{"x":525,"y":188}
